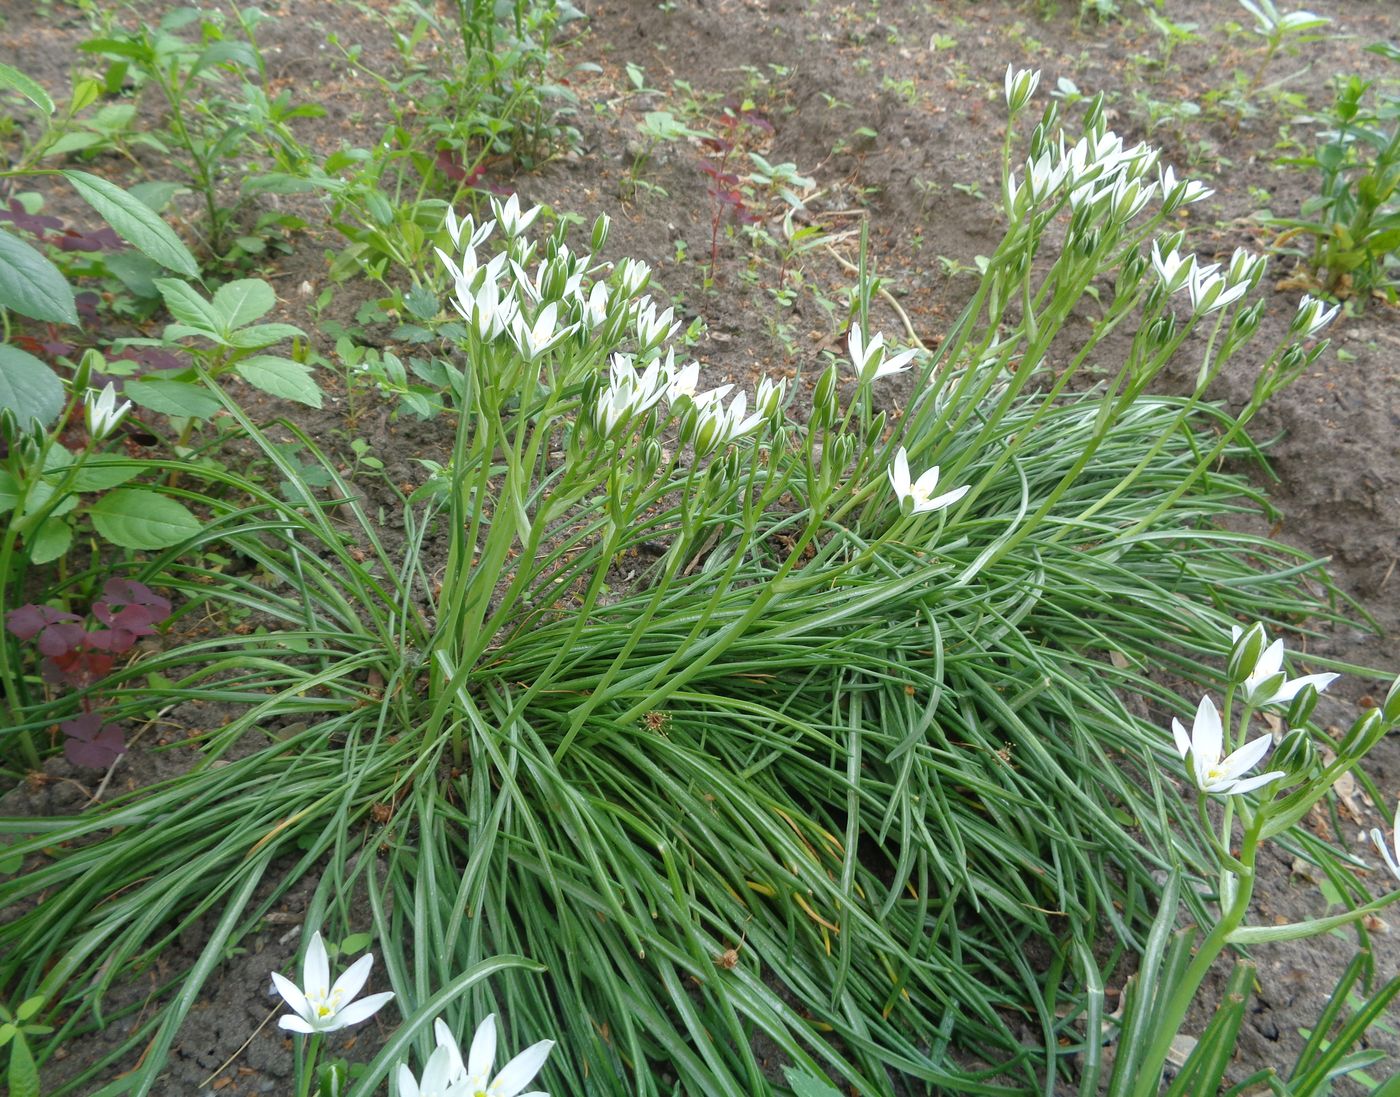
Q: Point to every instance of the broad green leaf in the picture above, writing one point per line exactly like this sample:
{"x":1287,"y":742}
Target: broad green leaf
{"x":37,"y":504}
{"x":189,"y":307}
{"x":137,"y":519}
{"x":241,"y":302}
{"x":28,"y":387}
{"x":16,"y":81}
{"x":135,"y":271}
{"x":264,"y":335}
{"x":134,"y":222}
{"x":281,"y":377}
{"x":234,"y":54}
{"x":50,"y":541}
{"x":182,"y":399}
{"x":30,"y":284}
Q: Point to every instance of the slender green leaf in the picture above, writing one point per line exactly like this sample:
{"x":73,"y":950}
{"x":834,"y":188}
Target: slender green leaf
{"x":15,"y":80}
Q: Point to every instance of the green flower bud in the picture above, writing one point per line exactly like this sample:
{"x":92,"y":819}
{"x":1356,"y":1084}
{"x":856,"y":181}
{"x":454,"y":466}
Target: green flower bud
{"x":9,"y":426}
{"x":600,"y":232}
{"x":1163,"y":329}
{"x":1244,"y":654}
{"x":82,"y":376}
{"x":825,"y":403}
{"x":1296,"y":755}
{"x":650,"y":460}
{"x":1364,"y":734}
{"x":1130,"y":273}
{"x":707,"y":433}
{"x":1300,"y":710}
{"x":876,"y":430}
{"x":1390,"y":707}
{"x":1093,"y":117}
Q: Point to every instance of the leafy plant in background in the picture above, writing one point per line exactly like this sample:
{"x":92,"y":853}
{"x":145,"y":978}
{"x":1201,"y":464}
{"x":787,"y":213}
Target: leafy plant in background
{"x":16,"y":1028}
{"x":208,"y":135}
{"x":1280,"y":31}
{"x":495,"y":101}
{"x":32,"y":286}
{"x":1354,"y":221}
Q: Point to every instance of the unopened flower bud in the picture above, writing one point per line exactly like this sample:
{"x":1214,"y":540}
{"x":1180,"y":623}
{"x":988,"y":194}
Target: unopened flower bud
{"x":1300,"y":710}
{"x":91,"y":359}
{"x":1245,"y":321}
{"x":650,"y":460}
{"x":1364,"y":734}
{"x":1296,"y":755}
{"x":1093,"y":117}
{"x":1130,"y":274}
{"x":1020,"y":86}
{"x":825,"y":404}
{"x":1248,"y":646}
{"x":1163,"y":329}
{"x":601,"y":227}
{"x":1390,"y":707}
{"x":876,"y":430}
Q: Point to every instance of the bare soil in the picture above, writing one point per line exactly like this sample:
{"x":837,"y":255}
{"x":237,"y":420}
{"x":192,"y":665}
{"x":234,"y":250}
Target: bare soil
{"x":894,"y":109}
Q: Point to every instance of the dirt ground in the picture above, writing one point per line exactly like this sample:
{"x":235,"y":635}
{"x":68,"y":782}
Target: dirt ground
{"x":894,"y":111}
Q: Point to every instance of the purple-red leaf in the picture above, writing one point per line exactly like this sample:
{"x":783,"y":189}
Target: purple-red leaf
{"x":92,"y":743}
{"x":28,"y":621}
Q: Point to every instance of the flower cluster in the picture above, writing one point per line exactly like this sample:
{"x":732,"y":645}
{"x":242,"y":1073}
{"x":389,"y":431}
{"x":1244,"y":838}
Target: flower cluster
{"x":538,"y":311}
{"x":1208,"y":287}
{"x":1256,"y":667}
{"x":1097,"y":172}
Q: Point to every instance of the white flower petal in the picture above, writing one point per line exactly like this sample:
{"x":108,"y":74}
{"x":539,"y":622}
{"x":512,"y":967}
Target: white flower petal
{"x":365,"y":1008}
{"x":483,"y":1050}
{"x":1246,"y":758}
{"x":291,"y":994}
{"x":294,"y":1024}
{"x":517,"y":1074}
{"x":353,"y":981}
{"x":1249,"y":784}
{"x":316,"y":968}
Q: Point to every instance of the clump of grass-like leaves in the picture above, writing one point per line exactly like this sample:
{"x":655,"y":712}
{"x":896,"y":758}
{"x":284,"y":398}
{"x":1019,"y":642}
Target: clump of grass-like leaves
{"x":849,"y":767}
